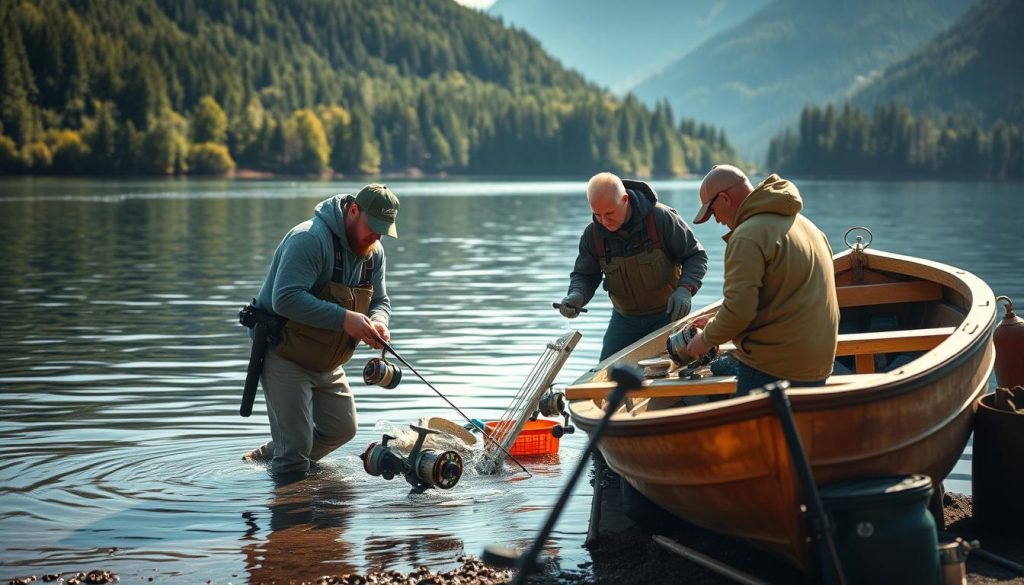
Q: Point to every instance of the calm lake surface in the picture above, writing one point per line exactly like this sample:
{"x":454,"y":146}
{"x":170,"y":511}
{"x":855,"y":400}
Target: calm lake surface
{"x":122,"y":362}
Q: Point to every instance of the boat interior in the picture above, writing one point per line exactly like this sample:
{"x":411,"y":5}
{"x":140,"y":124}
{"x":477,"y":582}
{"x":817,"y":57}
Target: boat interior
{"x":887,"y":321}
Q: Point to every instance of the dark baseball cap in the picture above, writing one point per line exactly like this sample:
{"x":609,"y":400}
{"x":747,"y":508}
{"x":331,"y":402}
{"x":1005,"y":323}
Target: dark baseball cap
{"x":381,"y":207}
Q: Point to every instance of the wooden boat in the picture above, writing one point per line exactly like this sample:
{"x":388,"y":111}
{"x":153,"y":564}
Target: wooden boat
{"x":724,"y":465}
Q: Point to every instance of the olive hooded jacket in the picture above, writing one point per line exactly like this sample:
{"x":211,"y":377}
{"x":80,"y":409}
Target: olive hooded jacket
{"x":779,"y":306}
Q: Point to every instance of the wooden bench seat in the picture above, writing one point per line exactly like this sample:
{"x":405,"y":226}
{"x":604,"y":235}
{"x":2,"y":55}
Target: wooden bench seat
{"x":862,"y":295}
{"x":861,"y":345}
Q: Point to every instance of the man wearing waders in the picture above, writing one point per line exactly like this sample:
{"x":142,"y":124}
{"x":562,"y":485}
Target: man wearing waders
{"x":326,"y":284}
{"x":779,"y":303}
{"x":650,"y":261}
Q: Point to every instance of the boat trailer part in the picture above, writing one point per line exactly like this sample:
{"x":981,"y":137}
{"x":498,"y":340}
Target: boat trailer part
{"x":423,"y":468}
{"x":820,"y":524}
{"x":707,"y":562}
{"x":387,"y":347}
{"x":626,"y":378}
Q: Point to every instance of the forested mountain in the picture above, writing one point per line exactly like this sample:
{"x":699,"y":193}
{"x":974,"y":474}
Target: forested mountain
{"x":615,"y":43}
{"x":169,"y":86}
{"x":754,"y":79}
{"x":952,"y":109}
{"x":973,"y":70}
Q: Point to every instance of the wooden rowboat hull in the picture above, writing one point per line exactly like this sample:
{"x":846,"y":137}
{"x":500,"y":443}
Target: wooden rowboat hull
{"x":724,"y":465}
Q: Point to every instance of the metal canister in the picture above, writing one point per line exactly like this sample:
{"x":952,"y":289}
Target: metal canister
{"x":953,"y":556}
{"x":1009,"y":341}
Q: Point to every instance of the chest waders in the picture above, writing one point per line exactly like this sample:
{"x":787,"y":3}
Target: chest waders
{"x":322,"y":350}
{"x":641,"y":279}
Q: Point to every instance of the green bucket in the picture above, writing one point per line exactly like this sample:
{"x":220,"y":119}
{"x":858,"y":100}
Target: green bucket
{"x":883,"y":530}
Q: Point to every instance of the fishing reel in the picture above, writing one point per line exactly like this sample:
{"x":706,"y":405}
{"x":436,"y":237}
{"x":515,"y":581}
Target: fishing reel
{"x":676,"y":347}
{"x":552,"y":404}
{"x":381,"y":372}
{"x":423,"y":468}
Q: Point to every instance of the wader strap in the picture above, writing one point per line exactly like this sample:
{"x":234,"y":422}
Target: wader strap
{"x":338,"y":274}
{"x":651,"y":238}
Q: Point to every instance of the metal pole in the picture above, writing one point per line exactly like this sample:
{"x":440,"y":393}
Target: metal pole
{"x":708,"y":562}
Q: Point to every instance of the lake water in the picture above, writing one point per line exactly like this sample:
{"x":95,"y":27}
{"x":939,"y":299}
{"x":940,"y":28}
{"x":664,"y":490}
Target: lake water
{"x":121,"y":364}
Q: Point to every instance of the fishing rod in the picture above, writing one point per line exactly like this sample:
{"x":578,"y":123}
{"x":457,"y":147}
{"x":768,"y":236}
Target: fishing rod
{"x":405,"y":363}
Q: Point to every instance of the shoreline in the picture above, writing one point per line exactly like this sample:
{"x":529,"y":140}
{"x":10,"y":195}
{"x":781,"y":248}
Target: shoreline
{"x":627,"y":554}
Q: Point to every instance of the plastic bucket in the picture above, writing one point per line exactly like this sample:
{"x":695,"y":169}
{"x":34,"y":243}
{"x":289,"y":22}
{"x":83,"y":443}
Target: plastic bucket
{"x":883,"y":530}
{"x":535,"y":438}
{"x":997,"y":474}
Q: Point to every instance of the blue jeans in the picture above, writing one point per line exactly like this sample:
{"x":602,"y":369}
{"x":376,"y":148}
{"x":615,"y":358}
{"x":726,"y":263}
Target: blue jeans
{"x":623,"y":330}
{"x":748,"y":378}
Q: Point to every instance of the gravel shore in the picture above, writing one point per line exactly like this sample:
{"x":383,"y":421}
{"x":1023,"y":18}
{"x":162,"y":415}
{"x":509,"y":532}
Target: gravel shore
{"x":627,"y":554}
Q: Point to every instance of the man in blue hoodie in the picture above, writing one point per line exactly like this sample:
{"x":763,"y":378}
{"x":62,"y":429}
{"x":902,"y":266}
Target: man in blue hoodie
{"x":327,"y":279}
{"x":650,"y":261}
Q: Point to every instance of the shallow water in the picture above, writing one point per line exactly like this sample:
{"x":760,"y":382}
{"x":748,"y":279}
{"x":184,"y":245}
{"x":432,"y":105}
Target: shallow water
{"x":121,"y":364}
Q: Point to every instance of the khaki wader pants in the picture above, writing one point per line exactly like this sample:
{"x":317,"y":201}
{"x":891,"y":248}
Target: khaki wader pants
{"x":311,"y":413}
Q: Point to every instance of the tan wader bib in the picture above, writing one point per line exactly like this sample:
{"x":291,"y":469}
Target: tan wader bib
{"x":640,"y":284}
{"x":322,"y":350}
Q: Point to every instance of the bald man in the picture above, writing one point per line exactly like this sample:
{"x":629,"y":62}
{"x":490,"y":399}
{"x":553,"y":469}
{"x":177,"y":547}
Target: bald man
{"x":649,"y":260}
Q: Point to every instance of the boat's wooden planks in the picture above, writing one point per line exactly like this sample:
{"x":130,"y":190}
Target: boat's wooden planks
{"x":888,"y":293}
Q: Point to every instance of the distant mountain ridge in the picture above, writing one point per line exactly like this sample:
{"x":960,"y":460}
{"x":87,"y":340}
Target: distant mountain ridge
{"x":753,"y":79}
{"x":973,"y":69}
{"x":617,"y":44}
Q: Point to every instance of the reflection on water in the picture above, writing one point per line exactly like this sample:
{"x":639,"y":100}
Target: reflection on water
{"x":121,"y":364}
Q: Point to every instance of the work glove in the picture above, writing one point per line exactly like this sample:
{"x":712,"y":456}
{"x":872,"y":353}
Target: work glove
{"x":679,"y":303}
{"x":574,"y":299}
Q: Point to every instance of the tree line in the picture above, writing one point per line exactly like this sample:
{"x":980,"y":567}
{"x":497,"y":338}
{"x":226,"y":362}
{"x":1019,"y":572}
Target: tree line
{"x":159,"y":87}
{"x":893,"y":143}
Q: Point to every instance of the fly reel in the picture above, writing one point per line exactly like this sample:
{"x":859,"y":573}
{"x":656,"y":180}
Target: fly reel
{"x":676,"y":347}
{"x":423,"y":468}
{"x":381,"y":372}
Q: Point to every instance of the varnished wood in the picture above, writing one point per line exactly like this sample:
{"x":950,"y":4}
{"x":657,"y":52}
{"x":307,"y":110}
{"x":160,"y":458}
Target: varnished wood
{"x":886,"y":293}
{"x":724,"y":465}
{"x":674,"y":387}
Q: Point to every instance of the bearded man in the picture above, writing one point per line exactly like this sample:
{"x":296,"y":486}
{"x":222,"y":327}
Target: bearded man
{"x":326,"y":280}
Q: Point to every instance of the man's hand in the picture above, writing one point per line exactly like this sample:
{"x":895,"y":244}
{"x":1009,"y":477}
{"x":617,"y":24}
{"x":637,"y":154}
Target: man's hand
{"x":359,"y":327}
{"x":571,"y":305}
{"x":701,"y":322}
{"x":697,"y":348}
{"x":382,"y":332}
{"x":679,"y":303}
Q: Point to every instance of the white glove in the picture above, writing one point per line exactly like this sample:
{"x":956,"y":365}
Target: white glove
{"x":571,"y":312}
{"x":679,"y":303}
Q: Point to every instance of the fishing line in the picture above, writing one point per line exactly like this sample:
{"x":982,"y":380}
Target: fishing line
{"x":391,"y":350}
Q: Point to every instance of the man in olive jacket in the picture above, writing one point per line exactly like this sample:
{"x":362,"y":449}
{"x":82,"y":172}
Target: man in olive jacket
{"x":650,"y":261}
{"x":779,"y":306}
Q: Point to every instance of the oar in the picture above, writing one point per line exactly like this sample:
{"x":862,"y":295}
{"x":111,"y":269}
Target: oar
{"x":626,"y":378}
{"x":821,"y":526}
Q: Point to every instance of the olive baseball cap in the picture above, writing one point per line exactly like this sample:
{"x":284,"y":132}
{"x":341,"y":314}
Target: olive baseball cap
{"x":381,"y":207}
{"x":720,"y":178}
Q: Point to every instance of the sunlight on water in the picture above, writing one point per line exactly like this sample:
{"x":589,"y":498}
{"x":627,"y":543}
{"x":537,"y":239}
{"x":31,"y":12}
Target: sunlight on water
{"x":122,"y":364}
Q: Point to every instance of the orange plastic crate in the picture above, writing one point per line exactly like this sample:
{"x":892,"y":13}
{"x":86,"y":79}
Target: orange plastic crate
{"x":535,"y":439}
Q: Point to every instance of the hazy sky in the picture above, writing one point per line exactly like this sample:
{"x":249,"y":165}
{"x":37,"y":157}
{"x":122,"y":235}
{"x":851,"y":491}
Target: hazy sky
{"x":476,"y":3}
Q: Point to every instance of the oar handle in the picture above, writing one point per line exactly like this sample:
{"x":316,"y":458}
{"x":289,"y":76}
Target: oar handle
{"x":569,"y":305}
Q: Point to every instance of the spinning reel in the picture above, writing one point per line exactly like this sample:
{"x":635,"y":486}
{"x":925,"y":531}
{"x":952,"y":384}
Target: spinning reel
{"x":552,"y":404}
{"x":423,"y":468}
{"x":381,"y":372}
{"x":676,"y":347}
